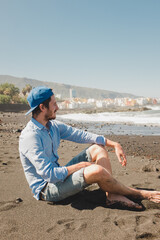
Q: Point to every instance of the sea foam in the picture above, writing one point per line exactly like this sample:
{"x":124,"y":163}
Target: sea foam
{"x":149,"y":118}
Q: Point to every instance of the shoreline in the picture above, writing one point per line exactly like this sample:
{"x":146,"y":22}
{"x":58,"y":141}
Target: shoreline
{"x":101,"y":110}
{"x":114,"y":128}
{"x":134,"y":145}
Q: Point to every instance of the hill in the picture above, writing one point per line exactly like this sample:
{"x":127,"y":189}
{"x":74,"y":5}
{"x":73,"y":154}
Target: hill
{"x":64,"y":89}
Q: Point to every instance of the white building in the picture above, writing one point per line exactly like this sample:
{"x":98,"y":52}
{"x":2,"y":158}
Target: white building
{"x":72,"y":93}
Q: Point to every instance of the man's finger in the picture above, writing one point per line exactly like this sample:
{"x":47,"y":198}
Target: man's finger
{"x":120,"y":160}
{"x":124,"y":161}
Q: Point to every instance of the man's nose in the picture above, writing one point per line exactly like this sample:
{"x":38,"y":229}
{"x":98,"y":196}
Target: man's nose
{"x":57,"y":106}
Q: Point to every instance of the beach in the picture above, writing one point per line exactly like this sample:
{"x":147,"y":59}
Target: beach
{"x":83,"y":216}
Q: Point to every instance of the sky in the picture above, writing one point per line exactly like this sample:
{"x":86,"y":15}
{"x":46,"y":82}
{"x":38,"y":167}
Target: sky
{"x":105,"y":44}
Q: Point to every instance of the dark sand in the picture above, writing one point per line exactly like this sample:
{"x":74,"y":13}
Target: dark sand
{"x":83,"y":216}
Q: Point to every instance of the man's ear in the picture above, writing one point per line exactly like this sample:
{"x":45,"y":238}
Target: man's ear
{"x":42,"y":107}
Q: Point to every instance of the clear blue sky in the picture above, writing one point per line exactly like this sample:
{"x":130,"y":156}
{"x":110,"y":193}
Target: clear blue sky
{"x":105,"y":44}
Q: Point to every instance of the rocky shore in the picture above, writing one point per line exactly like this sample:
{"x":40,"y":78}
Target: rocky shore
{"x":100,"y":110}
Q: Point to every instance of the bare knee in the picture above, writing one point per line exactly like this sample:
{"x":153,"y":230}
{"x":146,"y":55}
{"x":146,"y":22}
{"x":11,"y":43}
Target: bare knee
{"x":96,"y":151}
{"x":96,"y":147}
{"x":95,"y":173}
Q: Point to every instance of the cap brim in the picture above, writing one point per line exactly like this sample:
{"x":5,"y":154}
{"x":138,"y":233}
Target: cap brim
{"x":30,"y":110}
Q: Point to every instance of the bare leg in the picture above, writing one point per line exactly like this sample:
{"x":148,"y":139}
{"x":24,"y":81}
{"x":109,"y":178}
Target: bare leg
{"x":100,"y":156}
{"x":101,"y":173}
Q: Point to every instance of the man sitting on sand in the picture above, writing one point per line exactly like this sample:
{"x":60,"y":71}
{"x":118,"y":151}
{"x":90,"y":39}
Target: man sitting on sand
{"x":38,"y":145}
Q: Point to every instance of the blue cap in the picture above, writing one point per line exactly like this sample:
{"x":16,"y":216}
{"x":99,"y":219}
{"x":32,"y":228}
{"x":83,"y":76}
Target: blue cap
{"x":38,"y":95}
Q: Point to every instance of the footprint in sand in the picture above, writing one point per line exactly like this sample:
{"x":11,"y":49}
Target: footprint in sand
{"x":124,"y":223}
{"x":146,"y":227}
{"x":145,"y":235}
{"x":68,"y":225}
{"x":142,"y":220}
{"x":5,"y":206}
{"x":130,"y":221}
{"x":62,"y":225}
{"x":81,"y":226}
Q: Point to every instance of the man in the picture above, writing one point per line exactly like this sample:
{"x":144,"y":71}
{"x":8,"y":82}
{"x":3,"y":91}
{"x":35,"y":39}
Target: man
{"x":38,"y":145}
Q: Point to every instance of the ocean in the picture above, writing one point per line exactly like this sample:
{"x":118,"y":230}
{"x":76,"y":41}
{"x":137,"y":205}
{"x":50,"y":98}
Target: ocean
{"x":118,"y":123}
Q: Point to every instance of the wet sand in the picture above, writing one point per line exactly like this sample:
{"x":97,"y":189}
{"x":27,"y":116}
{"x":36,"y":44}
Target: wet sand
{"x":85,"y":215}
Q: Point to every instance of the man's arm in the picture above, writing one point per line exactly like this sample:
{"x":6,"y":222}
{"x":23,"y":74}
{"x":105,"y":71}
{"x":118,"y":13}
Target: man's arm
{"x":77,"y":135}
{"x":73,"y":168}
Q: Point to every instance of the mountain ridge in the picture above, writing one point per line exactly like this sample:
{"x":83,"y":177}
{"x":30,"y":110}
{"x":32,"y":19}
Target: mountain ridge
{"x":64,"y":89}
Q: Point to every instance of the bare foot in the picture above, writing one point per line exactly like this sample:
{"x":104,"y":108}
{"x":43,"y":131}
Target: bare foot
{"x":114,"y":200}
{"x":153,"y":196}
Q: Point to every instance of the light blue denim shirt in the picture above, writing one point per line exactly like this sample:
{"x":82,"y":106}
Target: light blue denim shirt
{"x":38,"y":151}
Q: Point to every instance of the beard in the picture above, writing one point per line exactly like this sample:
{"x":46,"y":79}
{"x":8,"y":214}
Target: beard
{"x":50,"y":115}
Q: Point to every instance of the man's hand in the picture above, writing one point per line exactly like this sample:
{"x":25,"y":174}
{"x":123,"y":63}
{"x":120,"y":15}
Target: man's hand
{"x":73,"y":168}
{"x":118,"y":150}
{"x":120,"y":154}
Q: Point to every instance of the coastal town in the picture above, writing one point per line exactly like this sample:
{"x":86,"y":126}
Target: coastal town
{"x":75,"y":103}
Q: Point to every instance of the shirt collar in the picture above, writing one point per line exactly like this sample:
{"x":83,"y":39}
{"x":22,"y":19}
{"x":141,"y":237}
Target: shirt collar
{"x":39,"y":125}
